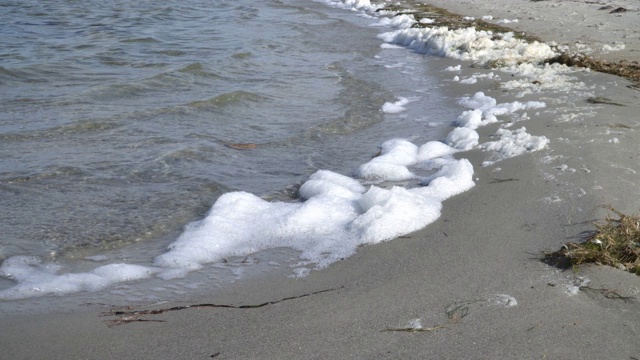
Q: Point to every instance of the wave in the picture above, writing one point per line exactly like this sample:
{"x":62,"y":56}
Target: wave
{"x":199,"y":70}
{"x":83,"y":127}
{"x":140,"y":40}
{"x":363,"y":100}
{"x":25,"y":74}
{"x":226,"y":99}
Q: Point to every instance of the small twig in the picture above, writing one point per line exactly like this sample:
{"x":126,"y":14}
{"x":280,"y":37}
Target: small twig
{"x":534,"y":326}
{"x":411,"y":329}
{"x":619,"y":126}
{"x":112,"y":323}
{"x":602,"y":100}
{"x":133,"y":316}
{"x":498,"y":181}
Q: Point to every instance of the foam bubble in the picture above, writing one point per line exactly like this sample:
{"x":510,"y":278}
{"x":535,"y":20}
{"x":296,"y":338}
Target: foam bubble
{"x":455,"y":177}
{"x":471,"y":119}
{"x":360,"y":5}
{"x":325,"y":182}
{"x":463,"y":138}
{"x":513,"y":143}
{"x":391,"y":164}
{"x":392,"y":213}
{"x":469,"y":44}
{"x":490,"y":109}
{"x":617,"y":46}
{"x":402,"y":21}
{"x":35,"y":278}
{"x":504,"y":300}
{"x":395,"y":107}
{"x":434,"y":149}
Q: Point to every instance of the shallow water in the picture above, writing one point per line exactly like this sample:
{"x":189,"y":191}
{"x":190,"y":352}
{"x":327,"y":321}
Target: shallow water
{"x":115,"y":116}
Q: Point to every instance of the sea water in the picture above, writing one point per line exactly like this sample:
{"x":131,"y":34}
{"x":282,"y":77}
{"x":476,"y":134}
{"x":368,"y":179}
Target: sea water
{"x":121,"y":123}
{"x":151,"y":152}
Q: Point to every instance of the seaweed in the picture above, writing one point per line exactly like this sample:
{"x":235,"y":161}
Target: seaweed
{"x":616,"y":242}
{"x":603,"y":100}
{"x":622,"y":69}
{"x":453,"y":21}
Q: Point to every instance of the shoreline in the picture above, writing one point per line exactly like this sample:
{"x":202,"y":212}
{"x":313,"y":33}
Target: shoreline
{"x":471,"y":280}
{"x":599,"y":35}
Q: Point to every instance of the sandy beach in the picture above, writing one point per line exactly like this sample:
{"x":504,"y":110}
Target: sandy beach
{"x":603,"y":29}
{"x":469,"y":286}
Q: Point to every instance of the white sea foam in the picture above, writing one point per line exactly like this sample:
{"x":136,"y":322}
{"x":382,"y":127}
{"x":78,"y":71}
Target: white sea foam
{"x":490,"y":108}
{"x":537,"y":78}
{"x":463,"y":138}
{"x":399,"y":22}
{"x":504,"y":300}
{"x":434,"y":150}
{"x":455,"y":177}
{"x":338,"y":214}
{"x":395,"y":107}
{"x":390,"y":46}
{"x":35,"y":278}
{"x":471,"y":119}
{"x":513,"y":143}
{"x":617,"y":46}
{"x":359,"y":5}
{"x":415,"y":324}
{"x":469,"y":45}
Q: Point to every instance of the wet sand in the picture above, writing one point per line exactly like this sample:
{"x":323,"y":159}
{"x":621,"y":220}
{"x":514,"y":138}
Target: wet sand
{"x":473,"y":278}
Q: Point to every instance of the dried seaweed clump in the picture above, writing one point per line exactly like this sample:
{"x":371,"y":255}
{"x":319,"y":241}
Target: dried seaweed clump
{"x":453,"y":21}
{"x":623,"y":69}
{"x":616,"y":243}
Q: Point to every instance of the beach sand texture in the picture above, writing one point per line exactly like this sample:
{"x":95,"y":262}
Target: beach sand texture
{"x":469,"y":286}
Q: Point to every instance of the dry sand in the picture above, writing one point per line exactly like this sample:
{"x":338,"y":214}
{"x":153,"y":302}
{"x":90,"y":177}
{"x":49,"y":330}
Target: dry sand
{"x":462,"y":273}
